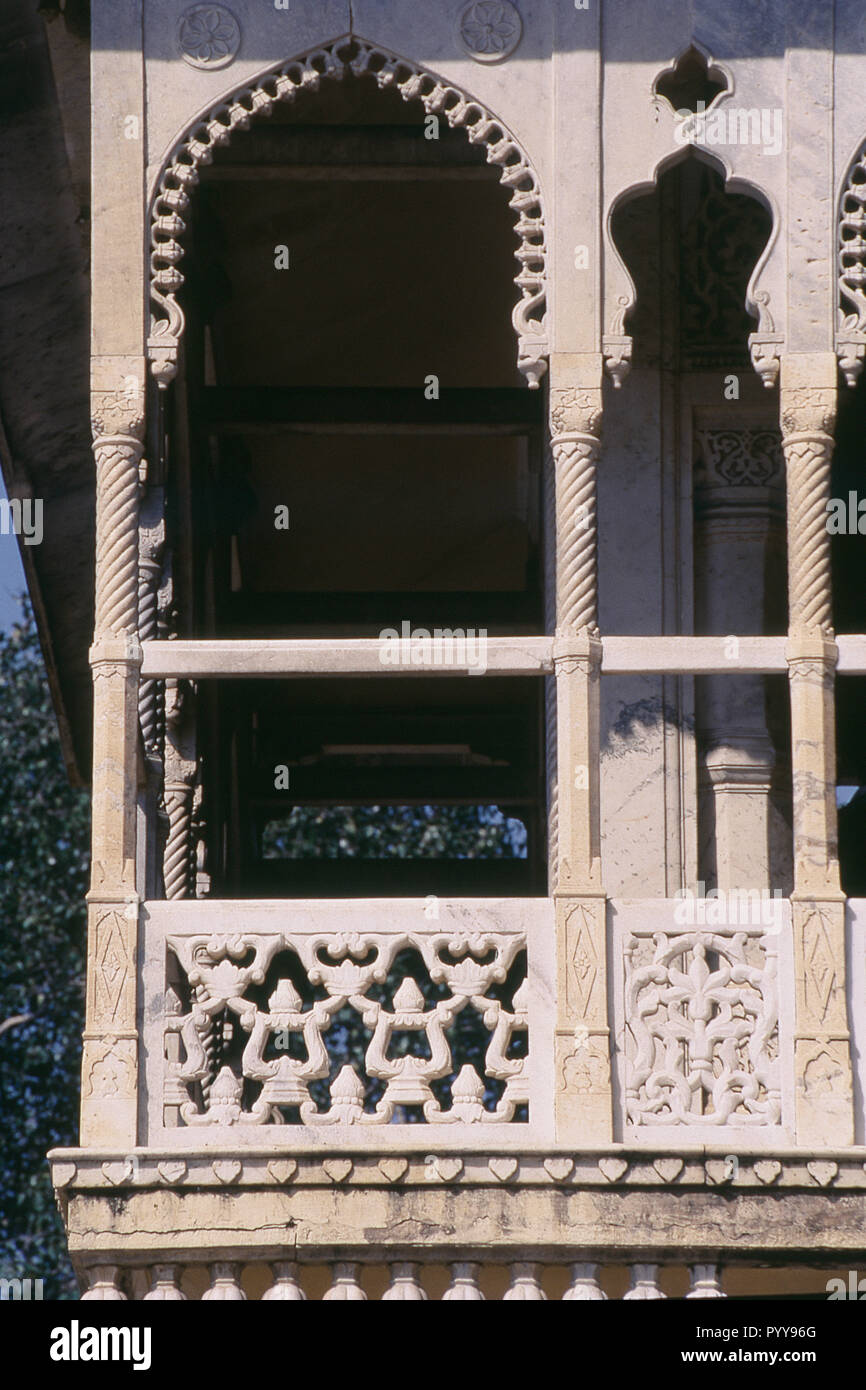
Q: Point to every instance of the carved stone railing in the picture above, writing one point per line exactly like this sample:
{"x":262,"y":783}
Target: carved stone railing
{"x":414,"y":1011}
{"x":300,"y":1025}
{"x":703,"y":1004}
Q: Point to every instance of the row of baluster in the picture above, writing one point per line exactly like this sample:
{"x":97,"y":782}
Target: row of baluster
{"x":405,"y":1283}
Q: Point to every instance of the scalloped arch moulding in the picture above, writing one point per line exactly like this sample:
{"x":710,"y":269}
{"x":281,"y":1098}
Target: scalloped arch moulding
{"x":281,"y":83}
{"x":851,"y":268}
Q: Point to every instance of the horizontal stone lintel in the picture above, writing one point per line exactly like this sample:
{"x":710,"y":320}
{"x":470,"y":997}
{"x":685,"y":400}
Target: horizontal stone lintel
{"x":499,"y":656}
{"x":554,"y":1225}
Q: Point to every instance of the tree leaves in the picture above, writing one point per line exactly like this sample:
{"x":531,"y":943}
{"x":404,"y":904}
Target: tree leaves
{"x":44,"y":857}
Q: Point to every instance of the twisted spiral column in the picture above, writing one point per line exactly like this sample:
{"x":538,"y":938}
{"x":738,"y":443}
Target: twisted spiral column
{"x":808,"y":458}
{"x":576,"y":455}
{"x":808,"y":418}
{"x":149,"y":574}
{"x":117,"y":460}
{"x":176,"y":861}
{"x":179,"y":789}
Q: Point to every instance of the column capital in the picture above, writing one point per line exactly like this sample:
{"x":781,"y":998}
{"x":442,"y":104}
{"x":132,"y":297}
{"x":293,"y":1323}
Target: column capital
{"x":812,"y":648}
{"x":575,"y":395}
{"x":809,"y":388}
{"x":576,"y":651}
{"x":117,"y":403}
{"x":124,"y":649}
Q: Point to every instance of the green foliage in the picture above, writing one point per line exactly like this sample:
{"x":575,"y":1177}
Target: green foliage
{"x":43,"y":878}
{"x":394,"y":832}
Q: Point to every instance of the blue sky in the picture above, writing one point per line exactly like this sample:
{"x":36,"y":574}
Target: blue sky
{"x":11,"y":575}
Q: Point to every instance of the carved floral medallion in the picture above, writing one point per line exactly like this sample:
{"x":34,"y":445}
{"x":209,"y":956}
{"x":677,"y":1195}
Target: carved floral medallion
{"x":490,"y":30}
{"x":208,"y":36}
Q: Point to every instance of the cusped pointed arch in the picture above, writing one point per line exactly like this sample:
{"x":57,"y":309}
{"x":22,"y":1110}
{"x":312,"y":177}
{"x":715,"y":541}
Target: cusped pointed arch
{"x":282,"y":83}
{"x":621,"y":293}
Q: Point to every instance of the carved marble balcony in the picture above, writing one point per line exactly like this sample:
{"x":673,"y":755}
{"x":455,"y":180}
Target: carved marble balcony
{"x":246,"y":1160}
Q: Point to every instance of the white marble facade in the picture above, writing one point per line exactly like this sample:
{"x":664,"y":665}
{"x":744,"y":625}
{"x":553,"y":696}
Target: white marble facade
{"x":671,"y":479}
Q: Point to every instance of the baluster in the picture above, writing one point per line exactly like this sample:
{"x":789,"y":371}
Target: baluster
{"x":464,"y":1285}
{"x":224,"y":1285}
{"x":524,"y":1284}
{"x":584,"y":1284}
{"x":404,"y":1286}
{"x":103,"y":1284}
{"x":644,"y":1282}
{"x":286,"y":1286}
{"x":164,"y":1285}
{"x":345,"y":1285}
{"x":706,"y":1282}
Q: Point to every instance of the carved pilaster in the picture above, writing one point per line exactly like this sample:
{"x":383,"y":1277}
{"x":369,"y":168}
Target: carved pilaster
{"x":109,"y":1063}
{"x":118,"y":431}
{"x":822,"y":1047}
{"x":582,"y":1040}
{"x":110,"y":1058}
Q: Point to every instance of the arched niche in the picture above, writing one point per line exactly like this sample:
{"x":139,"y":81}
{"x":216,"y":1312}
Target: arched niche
{"x":722,"y":235}
{"x":763,"y":293}
{"x":283,"y":84}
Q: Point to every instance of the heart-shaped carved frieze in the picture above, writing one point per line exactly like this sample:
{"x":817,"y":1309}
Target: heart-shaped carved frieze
{"x":393,"y":1168}
{"x":338,"y":1169}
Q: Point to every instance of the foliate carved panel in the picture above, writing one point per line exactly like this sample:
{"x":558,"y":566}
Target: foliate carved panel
{"x":720,"y":247}
{"x":109,"y":1068}
{"x":809,"y":410}
{"x":739,"y":458}
{"x":585,"y":967}
{"x":119,"y":413}
{"x":306,"y":73}
{"x":348,"y":1028}
{"x":575,"y":409}
{"x":702,"y":1028}
{"x":111,"y":974}
{"x":819,"y":941}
